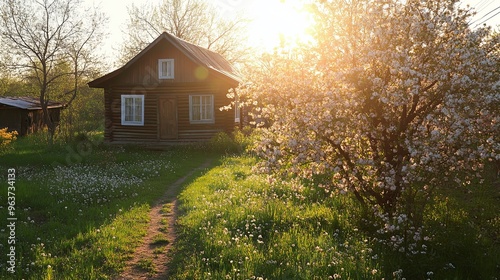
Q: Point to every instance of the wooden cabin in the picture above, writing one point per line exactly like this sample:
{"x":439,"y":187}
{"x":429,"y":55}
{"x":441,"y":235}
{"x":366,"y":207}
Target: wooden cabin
{"x":172,"y":91}
{"x":25,"y":115}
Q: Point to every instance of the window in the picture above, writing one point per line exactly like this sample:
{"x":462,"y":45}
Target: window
{"x":165,"y":69}
{"x":201,"y":108}
{"x":132,"y":109}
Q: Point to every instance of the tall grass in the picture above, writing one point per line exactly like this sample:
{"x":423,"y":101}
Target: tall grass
{"x":239,"y":225}
{"x":234,"y":143}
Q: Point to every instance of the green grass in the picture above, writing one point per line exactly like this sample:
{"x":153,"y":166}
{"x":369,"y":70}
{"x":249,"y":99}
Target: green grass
{"x":82,"y":208}
{"x":466,"y":225}
{"x":159,"y":250}
{"x":239,"y":225}
{"x":148,"y":266}
{"x":160,"y":239}
{"x":166,"y":209}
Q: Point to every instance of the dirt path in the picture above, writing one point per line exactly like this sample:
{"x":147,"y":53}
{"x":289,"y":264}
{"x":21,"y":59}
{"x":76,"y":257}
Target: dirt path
{"x":151,"y":258}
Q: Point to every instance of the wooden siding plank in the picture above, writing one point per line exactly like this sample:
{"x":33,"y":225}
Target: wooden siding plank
{"x":224,"y":120}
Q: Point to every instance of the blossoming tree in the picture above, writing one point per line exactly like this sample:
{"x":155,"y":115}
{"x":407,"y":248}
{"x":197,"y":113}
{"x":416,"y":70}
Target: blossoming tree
{"x":391,"y":100}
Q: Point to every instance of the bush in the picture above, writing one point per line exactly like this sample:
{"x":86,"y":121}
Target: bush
{"x":237,"y":142}
{"x":6,"y":138}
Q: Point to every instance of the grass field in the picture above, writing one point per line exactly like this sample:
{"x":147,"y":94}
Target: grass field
{"x":82,"y":208}
{"x":239,"y":225}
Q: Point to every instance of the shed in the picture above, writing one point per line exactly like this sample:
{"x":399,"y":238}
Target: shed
{"x":25,"y":114}
{"x":172,"y":91}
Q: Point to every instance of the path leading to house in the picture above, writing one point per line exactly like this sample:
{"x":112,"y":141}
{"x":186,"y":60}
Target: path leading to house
{"x":151,"y":258}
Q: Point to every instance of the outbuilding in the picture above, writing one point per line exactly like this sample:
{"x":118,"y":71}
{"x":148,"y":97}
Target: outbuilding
{"x":172,"y":91}
{"x":25,"y":114}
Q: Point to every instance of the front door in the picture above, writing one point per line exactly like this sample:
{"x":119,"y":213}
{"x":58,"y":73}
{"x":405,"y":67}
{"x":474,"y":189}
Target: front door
{"x":168,"y":117}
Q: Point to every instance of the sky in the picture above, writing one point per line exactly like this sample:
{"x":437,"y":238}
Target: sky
{"x":488,"y":11}
{"x":262,"y":19}
{"x":269,"y":18}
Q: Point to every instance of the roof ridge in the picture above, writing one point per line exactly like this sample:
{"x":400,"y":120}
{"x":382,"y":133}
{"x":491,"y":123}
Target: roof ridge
{"x":197,"y":54}
{"x":191,"y":43}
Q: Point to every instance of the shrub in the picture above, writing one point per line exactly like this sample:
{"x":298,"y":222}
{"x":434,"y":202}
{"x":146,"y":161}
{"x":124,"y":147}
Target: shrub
{"x":6,"y":138}
{"x":237,"y":142}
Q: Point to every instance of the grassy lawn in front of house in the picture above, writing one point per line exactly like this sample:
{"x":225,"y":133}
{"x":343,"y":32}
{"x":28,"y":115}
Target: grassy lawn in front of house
{"x":82,"y":208}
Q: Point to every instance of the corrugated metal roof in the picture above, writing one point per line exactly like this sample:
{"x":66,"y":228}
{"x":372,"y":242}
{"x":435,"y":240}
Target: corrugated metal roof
{"x":27,"y":103}
{"x":202,"y":56}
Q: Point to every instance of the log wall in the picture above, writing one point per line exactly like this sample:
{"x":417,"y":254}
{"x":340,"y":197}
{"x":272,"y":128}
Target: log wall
{"x":150,"y":131}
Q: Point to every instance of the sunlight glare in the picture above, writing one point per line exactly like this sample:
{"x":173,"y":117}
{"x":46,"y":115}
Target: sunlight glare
{"x":279,"y":23}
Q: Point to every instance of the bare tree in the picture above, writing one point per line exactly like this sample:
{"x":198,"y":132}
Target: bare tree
{"x":51,"y":42}
{"x":195,"y":21}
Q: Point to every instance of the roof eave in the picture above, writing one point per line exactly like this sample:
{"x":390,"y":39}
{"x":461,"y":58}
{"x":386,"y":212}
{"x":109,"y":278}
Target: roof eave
{"x":99,"y":82}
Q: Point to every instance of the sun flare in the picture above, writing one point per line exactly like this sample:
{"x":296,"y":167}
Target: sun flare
{"x":279,"y":23}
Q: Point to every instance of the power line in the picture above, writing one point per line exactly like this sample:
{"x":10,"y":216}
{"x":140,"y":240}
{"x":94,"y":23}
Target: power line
{"x":483,"y":4}
{"x":485,"y":16}
{"x":489,"y":17}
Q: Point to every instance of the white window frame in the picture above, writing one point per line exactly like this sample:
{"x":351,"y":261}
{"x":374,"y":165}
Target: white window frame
{"x":170,"y":65}
{"x":202,"y":106}
{"x":123,"y":109}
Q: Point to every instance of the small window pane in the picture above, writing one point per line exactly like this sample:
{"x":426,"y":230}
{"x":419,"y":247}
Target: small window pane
{"x":196,"y":100}
{"x":164,"y":69}
{"x":196,"y":113}
{"x":138,"y":110}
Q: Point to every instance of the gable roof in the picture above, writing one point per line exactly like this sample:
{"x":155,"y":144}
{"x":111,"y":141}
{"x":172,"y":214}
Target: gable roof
{"x":202,"y":56}
{"x":27,"y":103}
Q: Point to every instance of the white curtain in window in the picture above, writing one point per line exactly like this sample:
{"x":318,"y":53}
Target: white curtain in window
{"x":207,"y":107}
{"x":196,"y":108}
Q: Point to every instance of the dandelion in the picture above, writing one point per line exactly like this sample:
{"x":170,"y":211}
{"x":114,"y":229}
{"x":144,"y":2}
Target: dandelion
{"x":449,"y":265}
{"x":398,"y":273}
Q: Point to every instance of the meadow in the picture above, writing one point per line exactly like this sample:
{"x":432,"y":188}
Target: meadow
{"x":241,"y":225}
{"x":82,"y":208}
